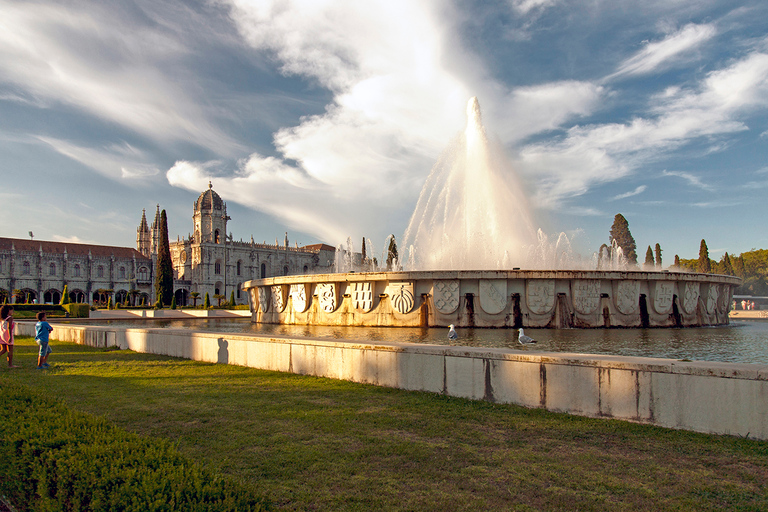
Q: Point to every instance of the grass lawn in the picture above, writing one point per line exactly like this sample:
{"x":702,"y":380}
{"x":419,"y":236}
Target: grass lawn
{"x":319,"y":444}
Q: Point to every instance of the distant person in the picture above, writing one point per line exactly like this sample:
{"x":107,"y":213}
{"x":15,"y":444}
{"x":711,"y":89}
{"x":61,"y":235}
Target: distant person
{"x":6,"y":334}
{"x":743,"y":304}
{"x":42,"y":331}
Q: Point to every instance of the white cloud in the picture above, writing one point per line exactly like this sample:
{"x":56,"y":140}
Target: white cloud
{"x":526,"y":6}
{"x":83,"y":56}
{"x":661,"y":53}
{"x":639,"y":190}
{"x":690,"y":178}
{"x":116,"y":161}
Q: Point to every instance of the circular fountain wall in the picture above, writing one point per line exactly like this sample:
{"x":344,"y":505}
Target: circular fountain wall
{"x":516,"y":298}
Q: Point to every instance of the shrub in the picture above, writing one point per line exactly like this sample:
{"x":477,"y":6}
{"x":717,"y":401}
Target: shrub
{"x":77,"y":310}
{"x":53,"y":458}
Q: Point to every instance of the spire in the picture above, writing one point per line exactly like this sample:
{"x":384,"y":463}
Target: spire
{"x":143,"y":227}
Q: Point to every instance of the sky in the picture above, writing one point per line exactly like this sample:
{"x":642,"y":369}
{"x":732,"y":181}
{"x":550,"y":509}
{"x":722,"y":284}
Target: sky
{"x":324,"y":118}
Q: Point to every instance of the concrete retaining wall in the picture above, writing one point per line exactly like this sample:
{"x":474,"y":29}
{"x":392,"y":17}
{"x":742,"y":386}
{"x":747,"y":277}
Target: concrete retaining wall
{"x":721,"y":398}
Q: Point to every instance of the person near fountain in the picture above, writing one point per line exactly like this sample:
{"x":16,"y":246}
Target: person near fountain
{"x":42,"y":332}
{"x":6,"y":334}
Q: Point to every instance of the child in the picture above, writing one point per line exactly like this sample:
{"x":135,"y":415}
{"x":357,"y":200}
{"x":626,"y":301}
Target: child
{"x":6,"y":333}
{"x":42,"y":330}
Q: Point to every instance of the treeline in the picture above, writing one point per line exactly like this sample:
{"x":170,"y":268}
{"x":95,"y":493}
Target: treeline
{"x":750,"y":266}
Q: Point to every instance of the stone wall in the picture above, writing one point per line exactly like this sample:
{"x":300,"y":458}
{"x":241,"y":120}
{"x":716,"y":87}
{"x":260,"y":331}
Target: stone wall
{"x":721,"y":398}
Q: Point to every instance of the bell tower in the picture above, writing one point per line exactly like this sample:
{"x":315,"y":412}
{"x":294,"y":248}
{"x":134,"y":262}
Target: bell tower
{"x":210,"y":218}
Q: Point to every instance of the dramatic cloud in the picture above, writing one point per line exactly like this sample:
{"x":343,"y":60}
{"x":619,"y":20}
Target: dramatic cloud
{"x":115,"y":161}
{"x":661,"y":54}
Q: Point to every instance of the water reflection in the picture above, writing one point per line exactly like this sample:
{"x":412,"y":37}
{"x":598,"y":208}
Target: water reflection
{"x":742,"y":341}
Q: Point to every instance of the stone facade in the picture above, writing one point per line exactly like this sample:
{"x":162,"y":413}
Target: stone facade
{"x":33,"y":270}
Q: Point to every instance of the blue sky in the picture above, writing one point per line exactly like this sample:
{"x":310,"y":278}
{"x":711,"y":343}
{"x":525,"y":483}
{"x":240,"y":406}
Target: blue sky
{"x":324,"y":118}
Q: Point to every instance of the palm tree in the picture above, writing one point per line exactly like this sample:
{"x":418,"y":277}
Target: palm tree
{"x":219,"y":297}
{"x":195,"y":296}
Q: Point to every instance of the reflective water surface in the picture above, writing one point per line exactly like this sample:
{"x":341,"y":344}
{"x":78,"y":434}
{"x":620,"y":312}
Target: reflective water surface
{"x":741,"y":342}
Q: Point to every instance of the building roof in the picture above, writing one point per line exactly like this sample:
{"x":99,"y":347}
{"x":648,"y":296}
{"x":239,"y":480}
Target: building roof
{"x":209,"y":199}
{"x":72,"y":249}
{"x":319,"y":247}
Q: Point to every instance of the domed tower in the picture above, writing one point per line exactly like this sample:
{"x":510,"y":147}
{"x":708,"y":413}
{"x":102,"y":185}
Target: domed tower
{"x":210,"y":218}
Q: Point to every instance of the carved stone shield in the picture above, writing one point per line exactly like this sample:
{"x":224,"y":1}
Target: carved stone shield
{"x":691,"y":297}
{"x":265,"y":293}
{"x":493,"y":295}
{"x":540,"y":295}
{"x":362,"y":296}
{"x":401,"y":295}
{"x":278,"y":297}
{"x":663,"y":295}
{"x":712,"y":296}
{"x":299,"y":297}
{"x":446,"y":296}
{"x":586,"y":295}
{"x":627,"y":296}
{"x":326,"y":295}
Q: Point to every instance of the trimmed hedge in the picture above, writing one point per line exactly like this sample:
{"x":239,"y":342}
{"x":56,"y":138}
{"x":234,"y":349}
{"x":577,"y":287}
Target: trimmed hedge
{"x":48,"y":308}
{"x":78,"y":310}
{"x":54,"y":458}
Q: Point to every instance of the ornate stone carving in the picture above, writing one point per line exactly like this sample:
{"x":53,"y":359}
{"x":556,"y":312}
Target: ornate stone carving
{"x":326,"y":294}
{"x":299,"y":297}
{"x":362,"y":296}
{"x":712,"y":296}
{"x":663,"y":295}
{"x":401,"y":295}
{"x":264,"y":295}
{"x":446,"y":296}
{"x":540,"y":295}
{"x":627,"y":296}
{"x":254,"y":294}
{"x":493,"y":295}
{"x":586,"y":295}
{"x":278,"y":298}
{"x":691,"y":297}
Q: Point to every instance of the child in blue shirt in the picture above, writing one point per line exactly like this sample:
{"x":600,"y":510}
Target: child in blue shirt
{"x":42,"y":330}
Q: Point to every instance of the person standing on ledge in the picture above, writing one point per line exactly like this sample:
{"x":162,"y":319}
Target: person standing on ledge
{"x":42,"y":331}
{"x":6,"y":333}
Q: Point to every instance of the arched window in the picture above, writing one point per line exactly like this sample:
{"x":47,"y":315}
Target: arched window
{"x":143,"y":274}
{"x":52,"y":269}
{"x":216,"y":236}
{"x":76,"y":270}
{"x":285,"y":270}
{"x":263,"y":270}
{"x":238,"y":267}
{"x":25,"y":268}
{"x":238,"y":290}
{"x":121,"y":273}
{"x":100,"y":271}
{"x":217,"y":267}
{"x":305,"y":269}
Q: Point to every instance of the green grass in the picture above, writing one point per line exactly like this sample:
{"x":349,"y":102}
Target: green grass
{"x":318,"y":444}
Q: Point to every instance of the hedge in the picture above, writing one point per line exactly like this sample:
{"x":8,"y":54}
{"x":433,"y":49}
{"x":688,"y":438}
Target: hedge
{"x":54,"y":458}
{"x":78,"y":310}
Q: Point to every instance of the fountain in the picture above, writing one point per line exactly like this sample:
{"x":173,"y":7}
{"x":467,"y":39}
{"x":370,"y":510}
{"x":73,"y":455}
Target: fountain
{"x":471,"y":224}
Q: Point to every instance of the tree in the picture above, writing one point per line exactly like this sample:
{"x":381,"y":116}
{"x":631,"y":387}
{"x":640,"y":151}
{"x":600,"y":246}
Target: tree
{"x":164,"y":276}
{"x":363,"y":257}
{"x":64,"y":296}
{"x":195,"y":296}
{"x":391,"y":253}
{"x":109,"y":303}
{"x":704,"y":265}
{"x":658,"y":256}
{"x":677,"y":262}
{"x":232,"y":298}
{"x":207,"y":302}
{"x":623,"y":238}
{"x":219,"y":297}
{"x":739,"y":269}
{"x":648,"y":259}
{"x":173,"y":302}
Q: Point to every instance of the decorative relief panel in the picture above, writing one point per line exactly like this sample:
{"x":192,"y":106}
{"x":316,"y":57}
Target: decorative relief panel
{"x":586,"y":295}
{"x":712,"y":296}
{"x":264,"y":295}
{"x":493,"y":295}
{"x":691,"y":298}
{"x":326,"y":294}
{"x":663,"y":295}
{"x":299,"y":297}
{"x":362,"y":296}
{"x":278,"y":298}
{"x":627,"y":296}
{"x":540,"y":295}
{"x":446,"y":296}
{"x":401,"y":295}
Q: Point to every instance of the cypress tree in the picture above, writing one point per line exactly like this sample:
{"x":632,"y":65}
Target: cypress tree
{"x":109,"y":302}
{"x":207,"y":303}
{"x":677,"y":262}
{"x":232,"y":298}
{"x":391,"y":253}
{"x":658,"y":256}
{"x":363,"y":257}
{"x":648,"y":258}
{"x":64,"y":296}
{"x":620,"y":233}
{"x":164,"y":275}
{"x":173,"y":302}
{"x":704,"y":266}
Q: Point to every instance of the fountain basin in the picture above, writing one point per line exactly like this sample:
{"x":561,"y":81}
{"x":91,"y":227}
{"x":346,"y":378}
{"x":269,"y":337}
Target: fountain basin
{"x":504,"y":298}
